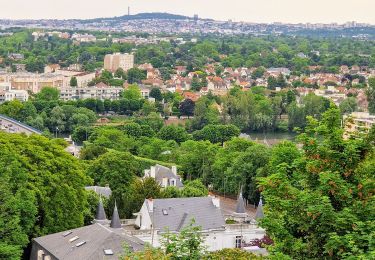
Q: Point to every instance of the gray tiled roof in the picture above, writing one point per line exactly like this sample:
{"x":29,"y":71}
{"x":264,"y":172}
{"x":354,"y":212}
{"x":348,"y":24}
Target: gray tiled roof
{"x":100,"y":213}
{"x":97,"y":237}
{"x":115,"y":221}
{"x":164,"y":172}
{"x":102,"y":191}
{"x":182,"y":210}
{"x":240,"y":207}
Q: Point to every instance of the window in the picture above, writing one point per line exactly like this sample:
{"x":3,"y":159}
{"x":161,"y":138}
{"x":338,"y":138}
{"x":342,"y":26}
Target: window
{"x":67,"y":233}
{"x":238,"y":241}
{"x":73,"y":239}
{"x":108,"y":252}
{"x":80,"y":243}
{"x":40,"y":254}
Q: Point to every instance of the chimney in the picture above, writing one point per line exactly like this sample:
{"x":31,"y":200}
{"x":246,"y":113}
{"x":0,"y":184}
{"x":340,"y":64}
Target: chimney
{"x":174,"y":170}
{"x":216,"y":201}
{"x":150,"y":202}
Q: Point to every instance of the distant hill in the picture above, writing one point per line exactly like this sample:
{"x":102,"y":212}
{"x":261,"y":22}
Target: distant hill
{"x":141,"y":16}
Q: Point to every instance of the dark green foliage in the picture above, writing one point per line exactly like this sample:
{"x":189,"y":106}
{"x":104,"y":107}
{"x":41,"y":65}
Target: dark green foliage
{"x":29,"y":207}
{"x":320,"y":204}
{"x":187,"y":107}
{"x":217,"y":133}
{"x":156,"y":93}
{"x":171,"y":132}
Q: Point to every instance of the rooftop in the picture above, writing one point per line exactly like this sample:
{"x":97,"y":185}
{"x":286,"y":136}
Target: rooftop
{"x":176,"y":213}
{"x":89,"y":242}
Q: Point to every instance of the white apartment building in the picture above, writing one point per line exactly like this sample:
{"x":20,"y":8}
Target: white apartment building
{"x":10,"y":95}
{"x":358,"y":122}
{"x":71,"y":93}
{"x":112,"y":62}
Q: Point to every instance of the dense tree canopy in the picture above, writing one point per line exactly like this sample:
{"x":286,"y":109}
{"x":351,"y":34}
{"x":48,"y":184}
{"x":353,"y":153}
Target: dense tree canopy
{"x":321,"y":205}
{"x":42,"y":191}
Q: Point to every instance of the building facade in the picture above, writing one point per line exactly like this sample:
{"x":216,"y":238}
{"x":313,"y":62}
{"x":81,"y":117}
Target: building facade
{"x":102,"y":93}
{"x":112,"y":62}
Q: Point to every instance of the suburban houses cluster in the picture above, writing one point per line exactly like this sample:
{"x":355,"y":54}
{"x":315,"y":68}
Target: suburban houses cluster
{"x":190,"y":84}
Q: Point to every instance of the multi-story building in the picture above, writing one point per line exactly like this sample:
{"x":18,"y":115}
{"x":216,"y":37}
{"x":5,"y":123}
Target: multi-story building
{"x":358,"y":122}
{"x":11,"y":94}
{"x":33,"y":82}
{"x":97,"y":92}
{"x":112,"y":62}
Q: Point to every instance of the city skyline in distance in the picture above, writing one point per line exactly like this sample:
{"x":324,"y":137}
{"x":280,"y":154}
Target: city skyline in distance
{"x":268,"y":11}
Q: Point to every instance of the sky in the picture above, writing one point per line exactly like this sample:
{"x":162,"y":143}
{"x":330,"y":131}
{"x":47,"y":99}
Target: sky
{"x":295,"y":11}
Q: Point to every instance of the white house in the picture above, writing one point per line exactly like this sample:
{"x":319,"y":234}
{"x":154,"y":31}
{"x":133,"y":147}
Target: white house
{"x":164,"y":176}
{"x":158,"y":216}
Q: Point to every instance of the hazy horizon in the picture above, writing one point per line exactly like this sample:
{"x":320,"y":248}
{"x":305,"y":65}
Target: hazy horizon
{"x":287,"y":11}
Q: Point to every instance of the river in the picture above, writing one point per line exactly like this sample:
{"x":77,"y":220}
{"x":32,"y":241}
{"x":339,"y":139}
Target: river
{"x":270,"y":138}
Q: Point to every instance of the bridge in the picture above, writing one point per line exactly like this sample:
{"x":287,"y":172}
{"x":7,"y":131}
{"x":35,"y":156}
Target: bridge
{"x":11,"y":125}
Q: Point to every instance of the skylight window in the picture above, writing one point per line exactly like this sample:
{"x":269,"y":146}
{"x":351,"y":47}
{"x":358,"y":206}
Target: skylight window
{"x":80,"y":243}
{"x":108,"y":252}
{"x":67,"y":233}
{"x":73,"y":239}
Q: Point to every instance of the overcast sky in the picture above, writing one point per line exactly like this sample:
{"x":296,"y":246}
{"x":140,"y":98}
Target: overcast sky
{"x":238,"y":10}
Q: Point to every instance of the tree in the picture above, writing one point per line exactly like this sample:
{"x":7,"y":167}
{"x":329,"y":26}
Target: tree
{"x":187,"y":244}
{"x":371,"y":95}
{"x":120,"y":73}
{"x":133,"y":92}
{"x":321,"y":205}
{"x":48,"y":94}
{"x":156,"y":93}
{"x":348,"y":105}
{"x":73,"y":82}
{"x":140,"y":190}
{"x":217,"y":133}
{"x":187,"y":107}
{"x":194,"y":189}
{"x":81,"y":133}
{"x":171,"y":132}
{"x":28,"y":207}
{"x":195,"y":84}
{"x":231,"y":254}
{"x":135,"y":75}
{"x":133,"y":129}
{"x":196,"y":158}
{"x":118,"y":170}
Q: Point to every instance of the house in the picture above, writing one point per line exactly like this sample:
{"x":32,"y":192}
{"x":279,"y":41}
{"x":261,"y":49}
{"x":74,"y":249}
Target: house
{"x":358,"y":122}
{"x":103,"y":239}
{"x":101,"y":191}
{"x":16,"y":56}
{"x":51,"y":68}
{"x":164,"y":176}
{"x":158,"y":216}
